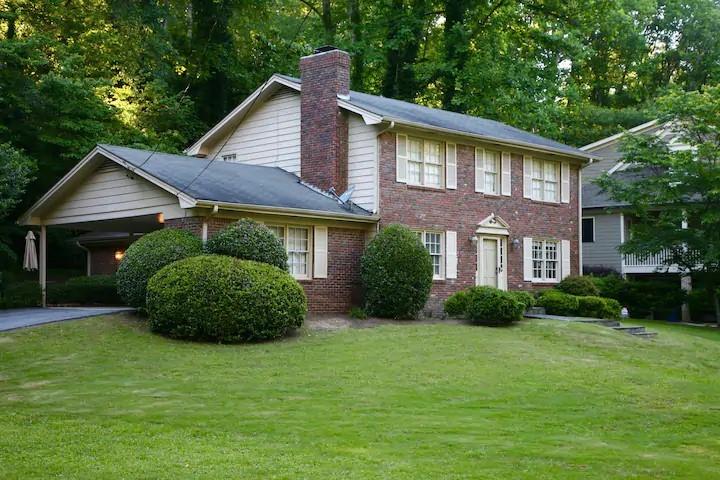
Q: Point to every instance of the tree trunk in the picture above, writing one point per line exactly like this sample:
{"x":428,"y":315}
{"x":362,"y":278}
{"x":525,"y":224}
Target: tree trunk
{"x":328,"y":25}
{"x":716,"y":304}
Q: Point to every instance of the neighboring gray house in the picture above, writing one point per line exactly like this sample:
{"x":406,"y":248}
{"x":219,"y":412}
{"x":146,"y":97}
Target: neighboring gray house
{"x":605,"y":223}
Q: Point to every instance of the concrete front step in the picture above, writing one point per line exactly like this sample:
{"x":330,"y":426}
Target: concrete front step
{"x":630,"y":329}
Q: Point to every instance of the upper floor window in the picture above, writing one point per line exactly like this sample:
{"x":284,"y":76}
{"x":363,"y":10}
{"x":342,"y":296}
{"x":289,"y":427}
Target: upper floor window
{"x":230,"y":157}
{"x":420,"y":161}
{"x":545,"y":177}
{"x":487,"y":170}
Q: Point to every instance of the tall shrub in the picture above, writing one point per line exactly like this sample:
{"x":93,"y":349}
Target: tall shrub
{"x":396,"y":273}
{"x":249,"y":240}
{"x":147,"y":256}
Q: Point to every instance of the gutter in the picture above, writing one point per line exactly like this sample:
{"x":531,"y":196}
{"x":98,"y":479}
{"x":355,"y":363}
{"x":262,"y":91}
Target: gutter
{"x":297,"y":212}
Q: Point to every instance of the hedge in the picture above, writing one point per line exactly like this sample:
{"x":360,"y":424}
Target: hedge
{"x":147,"y":256}
{"x":249,"y":240}
{"x":578,"y":285}
{"x":556,"y":302}
{"x":598,"y":307}
{"x":224,"y":299}
{"x":92,"y":290}
{"x":397,"y":273}
{"x":493,"y":307}
{"x":21,"y":295}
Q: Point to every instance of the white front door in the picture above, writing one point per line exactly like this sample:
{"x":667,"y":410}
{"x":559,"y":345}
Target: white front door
{"x":489,"y":263}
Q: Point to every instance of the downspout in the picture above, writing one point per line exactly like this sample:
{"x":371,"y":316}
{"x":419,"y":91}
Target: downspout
{"x":88,"y":256}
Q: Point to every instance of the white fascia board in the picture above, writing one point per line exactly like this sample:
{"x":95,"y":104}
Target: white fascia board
{"x":612,"y":138}
{"x":298,"y":212}
{"x":369,"y":118}
{"x":239,"y":110}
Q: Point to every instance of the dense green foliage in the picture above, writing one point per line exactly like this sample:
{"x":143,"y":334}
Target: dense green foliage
{"x":223,"y":299}
{"x":249,"y":240}
{"x":685,"y":182}
{"x":556,"y":302}
{"x":492,"y":307}
{"x":644,"y":298}
{"x":21,"y":294}
{"x":396,"y":273}
{"x":147,"y":256}
{"x":526,"y":298}
{"x":578,"y":285}
{"x":93,"y":290}
{"x":456,"y":304}
{"x":488,"y":306}
{"x":598,"y":307}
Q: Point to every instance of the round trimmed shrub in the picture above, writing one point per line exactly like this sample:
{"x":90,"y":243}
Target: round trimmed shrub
{"x":147,"y":256}
{"x":397,"y":273}
{"x":249,"y":240}
{"x":456,"y":304}
{"x":558,"y":303}
{"x":224,"y":299}
{"x":578,"y":285}
{"x":493,"y":307}
{"x":526,"y":298}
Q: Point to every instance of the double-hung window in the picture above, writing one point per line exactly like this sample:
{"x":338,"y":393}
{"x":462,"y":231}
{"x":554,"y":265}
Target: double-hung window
{"x":545,"y":260}
{"x":492,"y":172}
{"x":434,"y":244}
{"x":230,"y":157}
{"x":296,"y":241}
{"x":425,"y":162}
{"x":545,"y":180}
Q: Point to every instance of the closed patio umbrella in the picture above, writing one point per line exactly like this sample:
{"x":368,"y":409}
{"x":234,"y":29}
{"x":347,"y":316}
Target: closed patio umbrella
{"x":30,"y":260}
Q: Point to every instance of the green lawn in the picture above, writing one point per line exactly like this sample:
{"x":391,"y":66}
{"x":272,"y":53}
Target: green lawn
{"x":103,"y":398}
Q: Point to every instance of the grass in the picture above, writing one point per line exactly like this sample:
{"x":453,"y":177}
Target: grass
{"x":103,"y":398}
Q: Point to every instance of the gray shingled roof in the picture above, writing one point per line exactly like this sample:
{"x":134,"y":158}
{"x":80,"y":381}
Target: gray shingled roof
{"x":401,"y":111}
{"x":594,"y":197}
{"x":230,"y":182}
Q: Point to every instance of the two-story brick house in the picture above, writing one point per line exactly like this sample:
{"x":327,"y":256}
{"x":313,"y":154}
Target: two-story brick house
{"x":493,"y":204}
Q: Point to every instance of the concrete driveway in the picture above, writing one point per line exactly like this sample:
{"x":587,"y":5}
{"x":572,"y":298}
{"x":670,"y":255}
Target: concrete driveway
{"x":27,"y":317}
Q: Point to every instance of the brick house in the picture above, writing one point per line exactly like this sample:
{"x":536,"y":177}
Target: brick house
{"x":326,"y":167}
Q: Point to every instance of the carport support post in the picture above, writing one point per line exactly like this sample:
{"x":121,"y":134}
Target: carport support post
{"x":43,"y":264}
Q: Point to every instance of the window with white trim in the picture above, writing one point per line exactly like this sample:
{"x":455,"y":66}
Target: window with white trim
{"x":435,"y":244}
{"x":492,"y":172}
{"x":545,"y":177}
{"x":230,"y":157}
{"x":545,"y":260}
{"x":296,"y":241}
{"x":425,"y":162}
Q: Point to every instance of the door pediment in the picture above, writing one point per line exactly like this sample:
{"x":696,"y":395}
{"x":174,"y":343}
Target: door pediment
{"x":493,"y":225}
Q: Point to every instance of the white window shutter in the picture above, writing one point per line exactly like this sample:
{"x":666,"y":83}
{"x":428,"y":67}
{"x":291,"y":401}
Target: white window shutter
{"x":565,"y":182}
{"x":527,"y":176}
{"x":450,"y":254}
{"x":451,"y":166}
{"x":527,"y":259}
{"x":506,"y":174}
{"x":401,"y":158}
{"x":320,"y":253}
{"x":479,"y":170}
{"x":565,"y":255}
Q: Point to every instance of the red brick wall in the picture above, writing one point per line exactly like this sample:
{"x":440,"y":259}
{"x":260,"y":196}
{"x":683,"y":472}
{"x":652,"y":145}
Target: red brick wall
{"x":323,"y":127}
{"x":461,"y":210}
{"x":336,"y":293}
{"x":102,"y":259}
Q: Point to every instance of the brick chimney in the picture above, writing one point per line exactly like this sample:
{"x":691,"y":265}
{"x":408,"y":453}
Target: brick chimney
{"x":323,"y":126}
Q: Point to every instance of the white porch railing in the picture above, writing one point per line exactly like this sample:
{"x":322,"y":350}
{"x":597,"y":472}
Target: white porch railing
{"x":653,"y":263}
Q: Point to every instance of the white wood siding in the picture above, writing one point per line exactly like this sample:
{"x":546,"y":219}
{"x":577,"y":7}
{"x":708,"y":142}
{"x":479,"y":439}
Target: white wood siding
{"x":269,"y":136}
{"x":113,"y":192}
{"x":362,"y":162}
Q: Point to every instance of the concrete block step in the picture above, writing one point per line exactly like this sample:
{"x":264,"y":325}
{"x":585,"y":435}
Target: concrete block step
{"x":630,"y":329}
{"x":535,"y":311}
{"x":645,"y":335}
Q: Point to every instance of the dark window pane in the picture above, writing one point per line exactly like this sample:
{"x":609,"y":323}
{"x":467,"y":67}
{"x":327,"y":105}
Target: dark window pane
{"x":588,"y":230}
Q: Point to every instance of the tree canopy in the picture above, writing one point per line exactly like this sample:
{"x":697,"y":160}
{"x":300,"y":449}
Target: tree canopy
{"x":675,"y":202}
{"x":158,"y":73}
